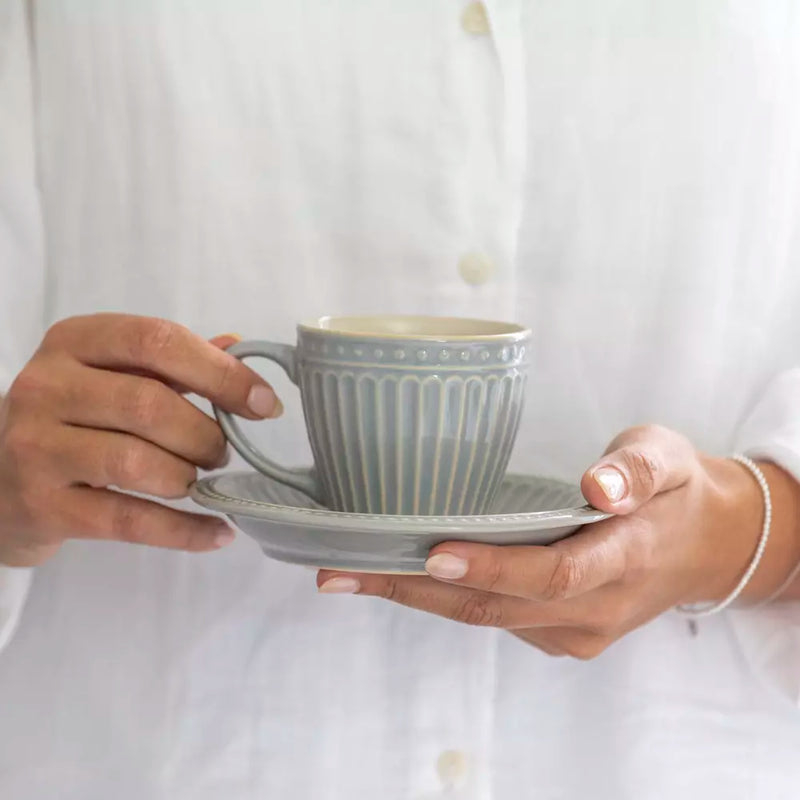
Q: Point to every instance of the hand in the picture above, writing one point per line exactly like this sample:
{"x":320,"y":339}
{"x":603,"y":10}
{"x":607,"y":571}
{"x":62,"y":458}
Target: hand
{"x":686,"y":529}
{"x":99,"y":405}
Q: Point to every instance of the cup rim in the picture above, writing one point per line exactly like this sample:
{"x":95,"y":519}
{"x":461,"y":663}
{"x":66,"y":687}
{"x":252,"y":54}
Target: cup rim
{"x":507,"y":331}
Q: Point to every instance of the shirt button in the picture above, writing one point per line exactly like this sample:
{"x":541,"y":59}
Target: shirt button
{"x":475,"y":268}
{"x":474,"y":19}
{"x":452,"y":766}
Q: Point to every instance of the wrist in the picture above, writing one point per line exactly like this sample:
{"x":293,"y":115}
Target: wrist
{"x":732,"y":512}
{"x":735,"y":511}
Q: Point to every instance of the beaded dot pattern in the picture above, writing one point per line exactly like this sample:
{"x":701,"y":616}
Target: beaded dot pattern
{"x":382,"y":354}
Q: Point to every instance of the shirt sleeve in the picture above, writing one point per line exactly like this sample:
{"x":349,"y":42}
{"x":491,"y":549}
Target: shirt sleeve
{"x":771,"y":432}
{"x":22,"y":261}
{"x":770,"y":635}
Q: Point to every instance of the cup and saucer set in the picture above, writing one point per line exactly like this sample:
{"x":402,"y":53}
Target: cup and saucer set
{"x":411,"y":422}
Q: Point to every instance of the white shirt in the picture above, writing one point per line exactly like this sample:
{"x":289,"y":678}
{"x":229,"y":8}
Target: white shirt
{"x":622,"y":176}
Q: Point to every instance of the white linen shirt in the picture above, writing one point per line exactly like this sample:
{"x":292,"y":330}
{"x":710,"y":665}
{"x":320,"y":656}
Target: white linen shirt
{"x":621,"y":175}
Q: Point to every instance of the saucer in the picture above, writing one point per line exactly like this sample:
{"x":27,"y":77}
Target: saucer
{"x":290,"y":526}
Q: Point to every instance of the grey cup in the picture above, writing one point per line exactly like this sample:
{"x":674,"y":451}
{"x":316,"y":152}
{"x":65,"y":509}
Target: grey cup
{"x":405,"y":415}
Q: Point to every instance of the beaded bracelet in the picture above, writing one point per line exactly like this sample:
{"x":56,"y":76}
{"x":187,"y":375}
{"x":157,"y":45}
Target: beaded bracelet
{"x":705,"y":610}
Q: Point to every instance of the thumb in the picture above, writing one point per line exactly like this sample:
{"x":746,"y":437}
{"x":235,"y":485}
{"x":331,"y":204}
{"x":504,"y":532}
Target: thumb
{"x":639,"y":463}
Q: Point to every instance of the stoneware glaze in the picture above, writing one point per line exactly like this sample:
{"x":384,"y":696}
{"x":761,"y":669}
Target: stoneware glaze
{"x":405,"y":415}
{"x":290,"y":526}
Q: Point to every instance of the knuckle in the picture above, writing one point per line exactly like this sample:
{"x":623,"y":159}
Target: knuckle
{"x":127,"y":521}
{"x":493,"y":572}
{"x":146,"y":403}
{"x":565,"y":578}
{"x":56,"y":334}
{"x":584,"y":648}
{"x":643,"y":467}
{"x":478,"y":609}
{"x":390,"y":590}
{"x":149,"y":338}
{"x":30,"y":385}
{"x":129,"y":464}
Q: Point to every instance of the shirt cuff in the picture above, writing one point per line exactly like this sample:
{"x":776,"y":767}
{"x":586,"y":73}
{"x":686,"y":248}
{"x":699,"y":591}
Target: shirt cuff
{"x":15,"y":583}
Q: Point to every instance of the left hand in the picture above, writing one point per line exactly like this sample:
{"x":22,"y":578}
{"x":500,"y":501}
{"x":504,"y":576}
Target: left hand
{"x":685,"y":529}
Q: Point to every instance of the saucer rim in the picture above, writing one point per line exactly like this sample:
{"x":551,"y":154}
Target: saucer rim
{"x":204,"y":493}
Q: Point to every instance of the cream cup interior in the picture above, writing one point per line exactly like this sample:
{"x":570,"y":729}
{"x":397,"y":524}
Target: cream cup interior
{"x":416,"y":327}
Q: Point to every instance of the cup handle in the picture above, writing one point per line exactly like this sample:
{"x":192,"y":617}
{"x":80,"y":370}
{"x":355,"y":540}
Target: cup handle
{"x":304,"y":479}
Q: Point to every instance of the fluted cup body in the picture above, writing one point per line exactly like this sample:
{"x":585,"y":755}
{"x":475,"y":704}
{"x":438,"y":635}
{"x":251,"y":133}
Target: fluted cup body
{"x":411,"y":425}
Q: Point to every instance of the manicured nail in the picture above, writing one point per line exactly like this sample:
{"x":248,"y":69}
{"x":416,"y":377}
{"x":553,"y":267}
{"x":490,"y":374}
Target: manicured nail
{"x":340,"y":586}
{"x":224,"y":538}
{"x":612,"y":482}
{"x":447,"y":566}
{"x":277,"y":410}
{"x":236,"y":336}
{"x":262,"y":401}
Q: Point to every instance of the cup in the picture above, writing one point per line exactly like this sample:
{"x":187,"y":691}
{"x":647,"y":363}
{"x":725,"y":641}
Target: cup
{"x":405,"y":415}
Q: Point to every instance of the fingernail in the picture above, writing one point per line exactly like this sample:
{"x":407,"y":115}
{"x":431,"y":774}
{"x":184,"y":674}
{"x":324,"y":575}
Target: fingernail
{"x":612,"y":482}
{"x":262,"y":401}
{"x":277,"y":410}
{"x":224,"y":538}
{"x":237,"y":336}
{"x":340,"y":586}
{"x":226,"y":459}
{"x":447,"y":566}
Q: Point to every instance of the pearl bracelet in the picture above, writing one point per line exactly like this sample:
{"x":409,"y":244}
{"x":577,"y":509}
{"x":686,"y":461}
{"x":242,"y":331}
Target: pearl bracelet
{"x":705,"y":610}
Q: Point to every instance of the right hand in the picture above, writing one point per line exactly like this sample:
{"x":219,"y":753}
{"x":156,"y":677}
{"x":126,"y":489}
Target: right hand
{"x":99,"y":405}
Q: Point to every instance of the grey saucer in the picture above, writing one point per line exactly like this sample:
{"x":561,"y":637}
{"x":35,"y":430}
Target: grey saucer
{"x":290,"y":526}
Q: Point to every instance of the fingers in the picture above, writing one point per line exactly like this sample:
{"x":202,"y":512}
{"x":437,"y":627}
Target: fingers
{"x":586,"y":561}
{"x":107,"y":458}
{"x":639,"y":464}
{"x":453,"y":602}
{"x":105,"y":514}
{"x":170,"y":351}
{"x":144,"y":407}
{"x":579,"y":629}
